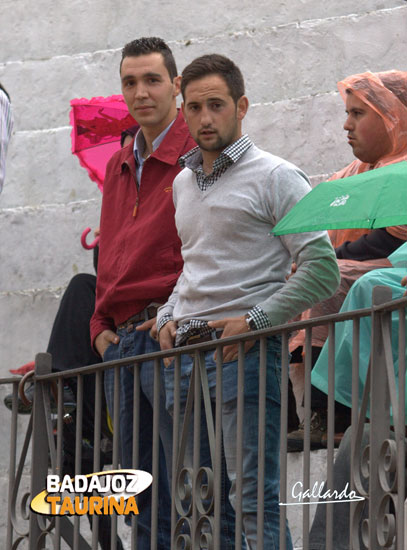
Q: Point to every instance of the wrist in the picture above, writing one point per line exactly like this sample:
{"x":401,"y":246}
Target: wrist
{"x":250,"y":323}
{"x":257,"y":318}
{"x":163,"y":321}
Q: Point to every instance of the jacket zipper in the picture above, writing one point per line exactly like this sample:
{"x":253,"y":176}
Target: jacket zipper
{"x":135,"y":208}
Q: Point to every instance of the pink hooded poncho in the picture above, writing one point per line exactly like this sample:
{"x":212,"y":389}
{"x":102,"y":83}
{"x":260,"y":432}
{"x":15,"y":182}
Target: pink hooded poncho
{"x":385,"y":93}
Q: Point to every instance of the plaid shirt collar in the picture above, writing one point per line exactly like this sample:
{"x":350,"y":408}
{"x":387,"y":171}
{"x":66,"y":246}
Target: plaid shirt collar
{"x":229,"y":156}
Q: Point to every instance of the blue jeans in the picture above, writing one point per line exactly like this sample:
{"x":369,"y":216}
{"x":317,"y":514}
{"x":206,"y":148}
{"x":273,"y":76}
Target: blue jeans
{"x":131,"y":344}
{"x":250,"y":433}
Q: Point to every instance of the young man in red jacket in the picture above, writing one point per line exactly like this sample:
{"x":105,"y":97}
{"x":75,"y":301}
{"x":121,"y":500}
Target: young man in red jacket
{"x":140,"y":259}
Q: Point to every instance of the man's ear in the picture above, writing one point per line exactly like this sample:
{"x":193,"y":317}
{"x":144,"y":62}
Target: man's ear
{"x":183,"y":109}
{"x":177,"y":85}
{"x":242,"y":107}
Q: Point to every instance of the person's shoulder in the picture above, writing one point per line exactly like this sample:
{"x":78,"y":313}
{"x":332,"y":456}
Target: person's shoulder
{"x":114,"y":165}
{"x":3,"y":94}
{"x":270,"y":162}
{"x":351,"y":169}
{"x":178,"y":141}
{"x":123,"y":154}
{"x":184,"y":176}
{"x":4,"y":100}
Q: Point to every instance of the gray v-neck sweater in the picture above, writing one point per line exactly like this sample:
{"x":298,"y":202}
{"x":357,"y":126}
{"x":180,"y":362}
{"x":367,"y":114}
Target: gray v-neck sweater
{"x":231,"y":262}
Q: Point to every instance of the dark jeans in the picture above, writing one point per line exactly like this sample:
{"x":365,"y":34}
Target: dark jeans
{"x":131,"y":344}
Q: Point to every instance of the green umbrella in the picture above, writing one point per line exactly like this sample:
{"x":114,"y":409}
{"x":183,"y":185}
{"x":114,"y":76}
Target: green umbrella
{"x":377,"y":198}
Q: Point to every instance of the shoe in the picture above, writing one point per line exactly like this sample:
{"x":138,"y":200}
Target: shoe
{"x":69,"y":401}
{"x":318,"y":429}
{"x":337,"y":439}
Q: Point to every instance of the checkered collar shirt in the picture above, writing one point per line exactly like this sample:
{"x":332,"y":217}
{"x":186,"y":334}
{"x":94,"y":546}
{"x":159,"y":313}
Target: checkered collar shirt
{"x":229,"y":156}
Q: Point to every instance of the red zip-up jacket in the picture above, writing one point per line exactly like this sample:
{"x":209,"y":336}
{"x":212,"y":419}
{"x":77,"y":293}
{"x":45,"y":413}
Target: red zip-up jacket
{"x":140,"y":252}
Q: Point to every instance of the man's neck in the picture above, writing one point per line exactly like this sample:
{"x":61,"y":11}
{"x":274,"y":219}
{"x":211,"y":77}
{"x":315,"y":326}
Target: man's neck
{"x":209,"y":157}
{"x":150,"y":133}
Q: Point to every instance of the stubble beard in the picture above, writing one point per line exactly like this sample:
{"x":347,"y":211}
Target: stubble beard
{"x":221,"y":142}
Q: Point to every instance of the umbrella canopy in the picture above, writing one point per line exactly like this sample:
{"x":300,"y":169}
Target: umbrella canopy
{"x":97,"y":124}
{"x":377,"y":198}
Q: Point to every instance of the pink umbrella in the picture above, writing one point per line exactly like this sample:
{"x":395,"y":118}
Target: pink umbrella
{"x":97,"y":124}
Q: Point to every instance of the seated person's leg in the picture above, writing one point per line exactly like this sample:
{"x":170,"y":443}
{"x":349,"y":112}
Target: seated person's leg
{"x":70,"y":347}
{"x":359,"y":297}
{"x":69,"y":342}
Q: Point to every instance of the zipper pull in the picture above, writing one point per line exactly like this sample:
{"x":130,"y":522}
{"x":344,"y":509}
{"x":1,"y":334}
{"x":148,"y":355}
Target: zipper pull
{"x":135,"y":208}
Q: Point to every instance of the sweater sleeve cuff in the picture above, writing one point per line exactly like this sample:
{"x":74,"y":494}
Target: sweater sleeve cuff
{"x":259,"y":318}
{"x":163,"y":321}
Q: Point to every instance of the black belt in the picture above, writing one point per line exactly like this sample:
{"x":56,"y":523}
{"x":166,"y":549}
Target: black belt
{"x":147,"y":313}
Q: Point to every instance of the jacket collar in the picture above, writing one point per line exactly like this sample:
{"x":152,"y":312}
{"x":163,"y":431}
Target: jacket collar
{"x":169,"y":150}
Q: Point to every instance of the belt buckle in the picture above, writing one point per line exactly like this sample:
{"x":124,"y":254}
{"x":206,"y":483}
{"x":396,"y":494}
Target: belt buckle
{"x":194,"y":337}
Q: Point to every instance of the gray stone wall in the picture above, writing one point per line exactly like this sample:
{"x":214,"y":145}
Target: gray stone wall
{"x":291,"y":52}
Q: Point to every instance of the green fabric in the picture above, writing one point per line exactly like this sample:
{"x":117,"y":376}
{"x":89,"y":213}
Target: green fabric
{"x":360,"y":296}
{"x":372,"y":199}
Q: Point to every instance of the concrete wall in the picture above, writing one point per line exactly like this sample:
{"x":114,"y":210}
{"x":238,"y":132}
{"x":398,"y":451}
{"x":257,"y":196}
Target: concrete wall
{"x":291,"y":53}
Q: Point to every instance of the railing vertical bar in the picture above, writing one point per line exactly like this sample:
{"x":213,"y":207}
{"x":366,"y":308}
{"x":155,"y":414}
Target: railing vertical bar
{"x":116,"y":418}
{"x":196,"y":443}
{"x":156,"y":444}
{"x":39,"y":444}
{"x":239,"y":445}
{"x":96,"y":447}
{"x":307,"y":444}
{"x":283,"y":439}
{"x":331,"y":431}
{"x":116,"y":443}
{"x":354,"y":417}
{"x":401,"y":473}
{"x":379,"y":410}
{"x":135,"y":443}
{"x":217,"y":467}
{"x":60,"y":428}
{"x":262,"y":442}
{"x":78,"y":450}
{"x":12,"y":462}
{"x":175,"y":443}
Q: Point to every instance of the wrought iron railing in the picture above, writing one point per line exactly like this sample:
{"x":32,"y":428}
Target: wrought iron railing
{"x":377,"y":473}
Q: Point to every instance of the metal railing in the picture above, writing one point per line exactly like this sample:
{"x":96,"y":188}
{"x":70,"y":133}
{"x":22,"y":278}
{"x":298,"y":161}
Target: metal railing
{"x":377,"y":471}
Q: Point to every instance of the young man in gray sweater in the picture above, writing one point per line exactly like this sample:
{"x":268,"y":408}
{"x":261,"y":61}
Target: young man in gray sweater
{"x":228,"y":198}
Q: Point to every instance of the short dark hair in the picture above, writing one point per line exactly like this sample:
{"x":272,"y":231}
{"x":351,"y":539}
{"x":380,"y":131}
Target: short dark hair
{"x":151,"y":44}
{"x":214,"y":64}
